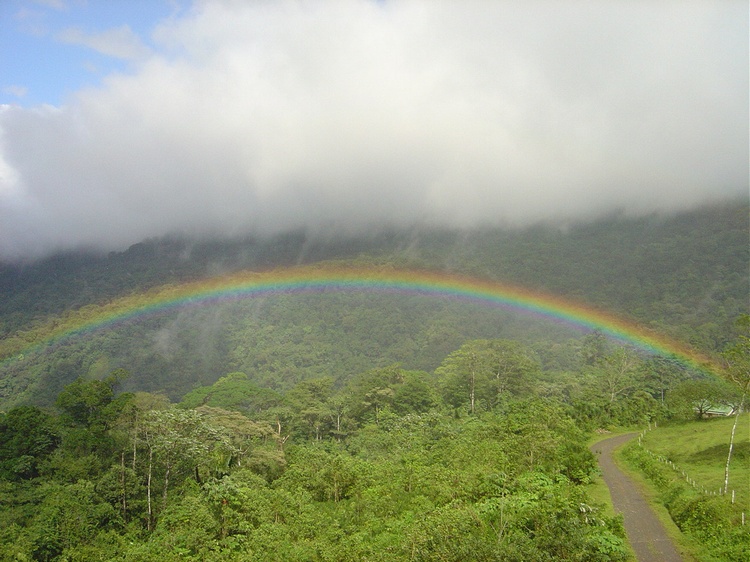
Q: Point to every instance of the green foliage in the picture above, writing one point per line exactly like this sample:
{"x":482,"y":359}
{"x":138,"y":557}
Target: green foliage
{"x":692,"y":399}
{"x":187,"y":527}
{"x":737,"y":357}
{"x":241,"y":442}
{"x":27,"y":436}
{"x":685,"y":463}
{"x":368,"y":427}
{"x":325,"y":476}
{"x":481,"y":372}
{"x":662,"y":374}
{"x":92,"y":403}
{"x":646,"y":464}
{"x":200,"y":484}
{"x":683,"y":275}
{"x":233,"y":392}
{"x":69,"y":516}
{"x":705,"y":516}
{"x":415,"y":394}
{"x":620,"y":387}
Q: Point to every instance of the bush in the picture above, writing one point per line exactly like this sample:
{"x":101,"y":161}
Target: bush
{"x":639,"y":458}
{"x":703,"y":516}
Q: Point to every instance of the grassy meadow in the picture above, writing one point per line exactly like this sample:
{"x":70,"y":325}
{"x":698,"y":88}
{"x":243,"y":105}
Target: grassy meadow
{"x":700,"y":450}
{"x":682,"y":468}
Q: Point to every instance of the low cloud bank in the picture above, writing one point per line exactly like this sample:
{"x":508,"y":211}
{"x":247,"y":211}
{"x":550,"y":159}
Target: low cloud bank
{"x":266,"y":116}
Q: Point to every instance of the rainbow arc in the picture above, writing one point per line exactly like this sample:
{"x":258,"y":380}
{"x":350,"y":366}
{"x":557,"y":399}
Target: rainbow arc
{"x":326,"y":279}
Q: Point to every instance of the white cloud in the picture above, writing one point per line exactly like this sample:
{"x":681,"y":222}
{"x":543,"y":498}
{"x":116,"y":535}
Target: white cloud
{"x":119,"y":42}
{"x":16,"y":90}
{"x":271,"y":115}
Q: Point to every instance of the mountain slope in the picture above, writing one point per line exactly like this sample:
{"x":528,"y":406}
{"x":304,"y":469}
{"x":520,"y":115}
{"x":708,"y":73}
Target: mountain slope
{"x":685,"y":275}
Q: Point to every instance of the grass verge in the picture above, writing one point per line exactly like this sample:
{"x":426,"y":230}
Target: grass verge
{"x":681,"y":470}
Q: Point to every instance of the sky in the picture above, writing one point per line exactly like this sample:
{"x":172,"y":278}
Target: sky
{"x":122,"y":120}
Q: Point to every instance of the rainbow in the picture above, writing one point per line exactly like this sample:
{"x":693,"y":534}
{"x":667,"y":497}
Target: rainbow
{"x":332,"y":278}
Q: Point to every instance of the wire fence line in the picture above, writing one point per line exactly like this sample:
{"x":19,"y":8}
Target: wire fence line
{"x":664,"y":460}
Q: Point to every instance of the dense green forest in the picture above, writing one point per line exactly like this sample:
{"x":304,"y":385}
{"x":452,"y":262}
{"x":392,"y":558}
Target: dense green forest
{"x":484,"y":458}
{"x":684,"y":275}
{"x":345,"y":426}
{"x":688,"y":269}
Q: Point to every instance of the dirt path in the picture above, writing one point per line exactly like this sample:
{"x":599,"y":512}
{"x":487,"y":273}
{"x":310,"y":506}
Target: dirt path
{"x":645,"y":532}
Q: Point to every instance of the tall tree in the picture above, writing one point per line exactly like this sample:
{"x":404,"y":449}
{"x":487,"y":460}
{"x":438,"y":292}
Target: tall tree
{"x":92,"y":403}
{"x":309,"y":401}
{"x":737,"y":357}
{"x":618,"y":372}
{"x":511,"y":366}
{"x":175,"y":439}
{"x":696,"y":397}
{"x":373,"y":391}
{"x":242,"y":442}
{"x":485,"y":371}
{"x":662,"y":374}
{"x":27,"y":436}
{"x":461,"y":373}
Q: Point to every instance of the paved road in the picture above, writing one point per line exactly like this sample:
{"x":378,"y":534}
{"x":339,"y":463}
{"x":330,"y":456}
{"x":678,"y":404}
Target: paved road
{"x":645,"y":532}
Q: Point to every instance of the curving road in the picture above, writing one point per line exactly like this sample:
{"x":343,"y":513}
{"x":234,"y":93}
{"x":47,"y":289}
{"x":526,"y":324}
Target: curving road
{"x":645,"y":532}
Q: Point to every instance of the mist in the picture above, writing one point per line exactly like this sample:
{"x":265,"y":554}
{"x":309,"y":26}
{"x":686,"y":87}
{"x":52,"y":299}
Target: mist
{"x":268,"y":116}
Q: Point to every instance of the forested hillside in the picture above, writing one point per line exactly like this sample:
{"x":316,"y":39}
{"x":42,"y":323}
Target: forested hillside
{"x":351,"y":426}
{"x":133,"y":479}
{"x":677,"y":270}
{"x":482,"y":459}
{"x":684,"y":275}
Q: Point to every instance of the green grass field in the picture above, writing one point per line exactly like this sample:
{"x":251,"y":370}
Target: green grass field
{"x":710,"y":526}
{"x":700,"y":449}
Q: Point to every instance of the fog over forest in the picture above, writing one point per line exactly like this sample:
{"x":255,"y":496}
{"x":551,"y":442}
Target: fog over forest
{"x":242,"y":117}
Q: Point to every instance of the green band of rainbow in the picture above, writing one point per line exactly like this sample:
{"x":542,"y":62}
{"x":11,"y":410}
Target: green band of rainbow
{"x":358,"y":279}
